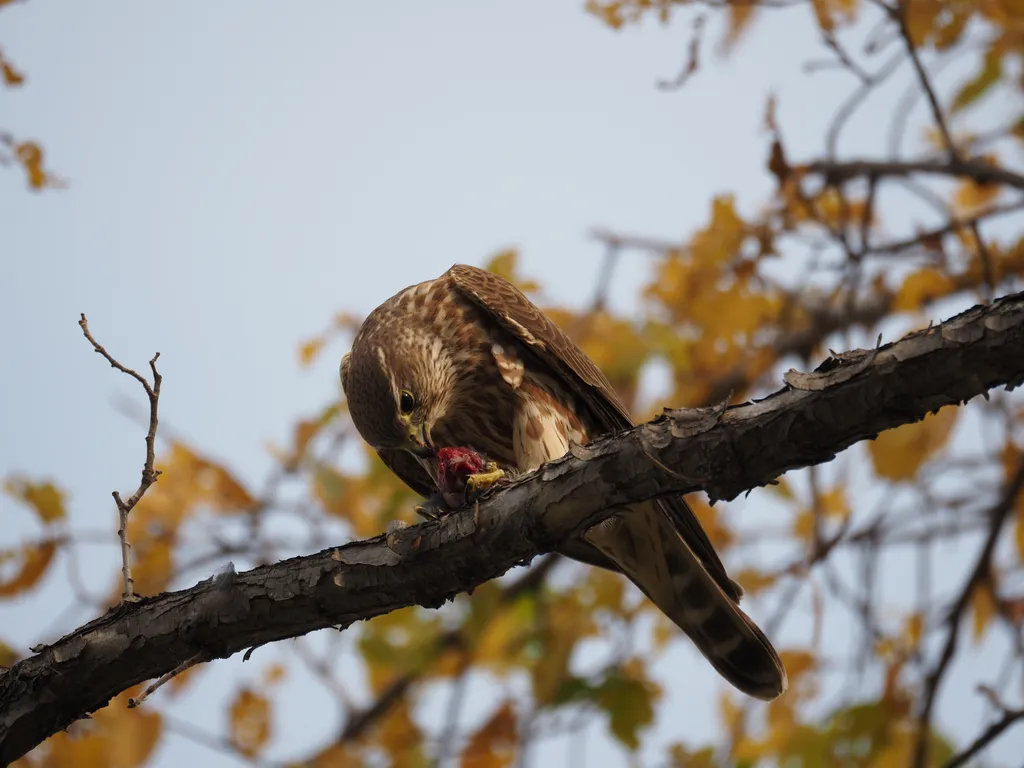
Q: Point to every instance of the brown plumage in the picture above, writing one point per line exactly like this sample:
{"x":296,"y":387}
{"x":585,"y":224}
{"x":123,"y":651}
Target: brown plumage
{"x":468,"y":360}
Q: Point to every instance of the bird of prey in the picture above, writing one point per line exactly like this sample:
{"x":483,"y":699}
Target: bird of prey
{"x":467,"y":360}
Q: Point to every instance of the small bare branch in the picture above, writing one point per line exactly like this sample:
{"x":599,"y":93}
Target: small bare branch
{"x":149,"y":473}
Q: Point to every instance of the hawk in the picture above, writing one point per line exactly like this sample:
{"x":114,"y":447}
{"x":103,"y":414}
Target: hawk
{"x":467,"y":360}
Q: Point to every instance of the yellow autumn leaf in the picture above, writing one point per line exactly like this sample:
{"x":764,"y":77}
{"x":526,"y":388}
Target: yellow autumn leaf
{"x":505,"y":264}
{"x":914,"y":630}
{"x":826,"y":12}
{"x":274,"y":674}
{"x":11,"y":76}
{"x":336,"y":756}
{"x":799,"y":666}
{"x":782,"y":488}
{"x":711,"y":520}
{"x":30,"y":155}
{"x":628,"y":698}
{"x":754,"y":580}
{"x":803,"y":525}
{"x":564,"y":624}
{"x":918,"y":288}
{"x":971,"y":197}
{"x":33,"y":561}
{"x":834,"y":504}
{"x":250,"y":722}
{"x":401,"y":737}
{"x":989,"y":74}
{"x":502,"y":638}
{"x":115,"y":737}
{"x":921,"y":18}
{"x":898,"y":453}
{"x":309,"y":351}
{"x":45,"y":498}
{"x":983,"y":608}
{"x":152,"y":556}
{"x":494,"y":743}
{"x":740,"y":15}
{"x":228,"y":494}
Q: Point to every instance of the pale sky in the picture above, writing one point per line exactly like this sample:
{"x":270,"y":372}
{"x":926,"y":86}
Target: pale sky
{"x":239,"y":172}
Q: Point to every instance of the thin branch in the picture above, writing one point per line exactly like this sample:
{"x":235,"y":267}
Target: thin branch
{"x":898,"y":246}
{"x":998,"y":516}
{"x":990,"y":734}
{"x":149,"y":474}
{"x":980,"y":172}
{"x":186,"y":665}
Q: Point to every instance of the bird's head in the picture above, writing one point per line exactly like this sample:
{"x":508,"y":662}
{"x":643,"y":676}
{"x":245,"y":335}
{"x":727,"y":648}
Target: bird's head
{"x":397,"y":381}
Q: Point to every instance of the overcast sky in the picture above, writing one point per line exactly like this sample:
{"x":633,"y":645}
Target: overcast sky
{"x":238,"y":172}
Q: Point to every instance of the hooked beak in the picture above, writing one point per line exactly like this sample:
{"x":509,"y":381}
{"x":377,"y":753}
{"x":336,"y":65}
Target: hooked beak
{"x":420,"y":443}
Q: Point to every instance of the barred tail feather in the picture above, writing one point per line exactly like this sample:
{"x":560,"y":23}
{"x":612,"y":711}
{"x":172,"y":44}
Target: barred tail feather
{"x":646,"y":547}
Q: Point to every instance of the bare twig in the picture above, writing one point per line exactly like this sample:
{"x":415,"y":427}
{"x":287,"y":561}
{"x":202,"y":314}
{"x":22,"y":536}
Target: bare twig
{"x":199,"y":658}
{"x":692,"y":58}
{"x":947,"y":138}
{"x":997,"y":518}
{"x":976,"y":170}
{"x":1009,"y":718}
{"x":149,"y":474}
{"x":898,"y":246}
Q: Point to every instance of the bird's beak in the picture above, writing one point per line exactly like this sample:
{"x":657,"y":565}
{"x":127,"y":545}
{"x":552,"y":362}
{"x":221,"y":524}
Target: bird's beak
{"x":420,"y":443}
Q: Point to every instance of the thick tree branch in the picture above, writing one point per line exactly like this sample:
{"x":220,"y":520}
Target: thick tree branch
{"x":724,"y":451}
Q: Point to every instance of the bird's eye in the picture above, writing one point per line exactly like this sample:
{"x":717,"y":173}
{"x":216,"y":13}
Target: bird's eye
{"x":406,"y":402}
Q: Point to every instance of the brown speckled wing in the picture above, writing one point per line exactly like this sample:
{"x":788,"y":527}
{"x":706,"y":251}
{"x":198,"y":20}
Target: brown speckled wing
{"x":513,"y":311}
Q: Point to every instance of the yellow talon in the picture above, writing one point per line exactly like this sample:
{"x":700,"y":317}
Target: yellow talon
{"x":486,"y":479}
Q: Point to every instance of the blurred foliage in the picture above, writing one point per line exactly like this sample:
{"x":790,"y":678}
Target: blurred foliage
{"x":721,"y":314}
{"x":26,"y":154}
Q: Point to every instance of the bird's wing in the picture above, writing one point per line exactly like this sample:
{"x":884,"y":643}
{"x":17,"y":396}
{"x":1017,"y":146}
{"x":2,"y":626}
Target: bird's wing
{"x":503,"y":302}
{"x":660,"y":545}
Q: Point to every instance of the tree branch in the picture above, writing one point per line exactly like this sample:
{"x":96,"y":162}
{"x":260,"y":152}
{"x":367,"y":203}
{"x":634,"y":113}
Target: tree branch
{"x":724,"y":451}
{"x":980,"y":172}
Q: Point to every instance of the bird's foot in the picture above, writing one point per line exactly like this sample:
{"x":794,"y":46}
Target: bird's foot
{"x":481,"y":481}
{"x":433,"y":508}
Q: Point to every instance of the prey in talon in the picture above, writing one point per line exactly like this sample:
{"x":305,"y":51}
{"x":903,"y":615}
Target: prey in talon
{"x":462,"y":472}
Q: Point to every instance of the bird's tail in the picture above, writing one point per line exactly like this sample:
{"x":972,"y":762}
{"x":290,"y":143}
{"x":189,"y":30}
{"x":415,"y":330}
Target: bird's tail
{"x":645,"y":546}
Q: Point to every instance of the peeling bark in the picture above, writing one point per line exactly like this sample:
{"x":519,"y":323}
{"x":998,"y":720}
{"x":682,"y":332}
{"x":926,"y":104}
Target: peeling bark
{"x":722,"y":450}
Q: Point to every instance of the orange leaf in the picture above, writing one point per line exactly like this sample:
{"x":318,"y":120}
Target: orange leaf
{"x":45,"y":498}
{"x":920,"y":18}
{"x":336,"y":756}
{"x":35,"y":559}
{"x":8,"y":656}
{"x":898,"y":453}
{"x":274,"y":674}
{"x":740,"y":16}
{"x":494,"y":744}
{"x":116,"y":737}
{"x":989,"y":75}
{"x":983,"y":605}
{"x":31,"y":156}
{"x":834,"y":503}
{"x":826,"y":12}
{"x":11,"y":76}
{"x":308,"y":352}
{"x":754,"y":581}
{"x":914,"y":629}
{"x":971,"y":197}
{"x":504,"y":263}
{"x":921,"y":287}
{"x":250,"y":722}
